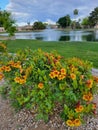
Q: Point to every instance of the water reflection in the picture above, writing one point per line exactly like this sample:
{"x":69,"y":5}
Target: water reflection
{"x":59,"y":35}
{"x":64,"y":38}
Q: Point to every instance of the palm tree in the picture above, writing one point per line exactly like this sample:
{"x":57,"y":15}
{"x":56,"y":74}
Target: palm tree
{"x":75,"y":12}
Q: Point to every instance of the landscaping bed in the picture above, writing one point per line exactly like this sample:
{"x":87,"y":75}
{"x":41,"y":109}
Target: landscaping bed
{"x":47,"y":91}
{"x":24,"y":120}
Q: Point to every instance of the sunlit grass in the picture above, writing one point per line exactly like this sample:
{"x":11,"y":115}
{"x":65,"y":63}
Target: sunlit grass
{"x":83,"y":50}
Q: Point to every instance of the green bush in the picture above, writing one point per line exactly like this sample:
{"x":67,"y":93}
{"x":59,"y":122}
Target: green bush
{"x":43,"y":82}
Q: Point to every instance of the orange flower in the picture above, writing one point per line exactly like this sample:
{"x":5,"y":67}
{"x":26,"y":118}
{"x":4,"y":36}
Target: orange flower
{"x":17,"y":65}
{"x":77,"y":122}
{"x":22,"y":81}
{"x":80,"y":108}
{"x":94,"y":105}
{"x":73,"y":76}
{"x":63,"y":71}
{"x":95,"y":79}
{"x":11,"y":63}
{"x":17,"y":79}
{"x":52,"y":75}
{"x":40,"y":85}
{"x":89,"y":83}
{"x":2,"y":68}
{"x":88,"y":97}
{"x":61,"y":77}
{"x":1,"y":76}
{"x":7,"y":68}
{"x":73,"y":68}
{"x":70,"y":123}
{"x":56,"y":73}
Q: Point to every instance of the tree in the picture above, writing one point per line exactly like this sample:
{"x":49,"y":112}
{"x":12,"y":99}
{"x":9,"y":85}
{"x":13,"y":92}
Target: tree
{"x":64,"y":21}
{"x":7,"y":22}
{"x":75,"y":12}
{"x":38,"y":25}
{"x":85,"y":22}
{"x":93,"y":18}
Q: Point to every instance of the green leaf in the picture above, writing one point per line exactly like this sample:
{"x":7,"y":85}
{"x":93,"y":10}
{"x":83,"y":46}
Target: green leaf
{"x":75,"y":85}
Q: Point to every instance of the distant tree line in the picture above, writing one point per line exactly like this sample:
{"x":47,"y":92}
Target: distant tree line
{"x":87,"y":22}
{"x":8,"y":22}
{"x":38,"y":25}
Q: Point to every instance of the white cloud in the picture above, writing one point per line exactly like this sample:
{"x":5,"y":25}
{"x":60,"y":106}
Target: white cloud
{"x":48,"y":10}
{"x":49,"y":21}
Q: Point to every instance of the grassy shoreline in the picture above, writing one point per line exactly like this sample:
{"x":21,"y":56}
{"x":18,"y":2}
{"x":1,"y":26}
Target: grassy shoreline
{"x":83,"y":50}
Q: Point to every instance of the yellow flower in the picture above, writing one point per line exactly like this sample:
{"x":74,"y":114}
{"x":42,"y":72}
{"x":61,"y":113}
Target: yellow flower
{"x":63,"y":71}
{"x":22,"y":81}
{"x":40,"y":85}
{"x":77,"y":122}
{"x":17,"y":65}
{"x":11,"y":63}
{"x":88,"y":97}
{"x":80,"y":108}
{"x":89,"y":83}
{"x":73,"y":76}
{"x":73,"y":68}
{"x":17,"y":79}
{"x":55,"y":73}
{"x":7,"y":68}
{"x":70,"y":123}
{"x":1,"y":76}
{"x":2,"y":68}
{"x":61,"y":77}
{"x":52,"y":75}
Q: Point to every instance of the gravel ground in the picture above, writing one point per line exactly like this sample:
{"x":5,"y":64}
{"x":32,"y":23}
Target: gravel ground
{"x":24,"y":120}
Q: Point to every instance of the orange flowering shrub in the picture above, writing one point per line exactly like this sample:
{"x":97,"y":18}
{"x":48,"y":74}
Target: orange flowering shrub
{"x":43,"y":81}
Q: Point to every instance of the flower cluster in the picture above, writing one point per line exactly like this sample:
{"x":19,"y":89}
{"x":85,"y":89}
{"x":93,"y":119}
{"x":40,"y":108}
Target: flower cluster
{"x":37,"y":77}
{"x":88,"y":97}
{"x":60,"y":75}
{"x":20,"y":80}
{"x":75,"y":122}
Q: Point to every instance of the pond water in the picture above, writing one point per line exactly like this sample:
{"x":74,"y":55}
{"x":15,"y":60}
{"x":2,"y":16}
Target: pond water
{"x":59,"y":35}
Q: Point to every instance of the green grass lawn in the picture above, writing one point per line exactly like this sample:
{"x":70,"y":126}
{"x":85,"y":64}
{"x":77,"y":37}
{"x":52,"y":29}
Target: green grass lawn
{"x":83,"y":50}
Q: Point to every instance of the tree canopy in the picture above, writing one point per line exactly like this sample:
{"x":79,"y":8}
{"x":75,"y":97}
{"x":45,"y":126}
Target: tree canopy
{"x":85,"y":22}
{"x":93,"y":18}
{"x":7,"y":22}
{"x":64,"y":21}
{"x":38,"y":25}
{"x":75,"y":12}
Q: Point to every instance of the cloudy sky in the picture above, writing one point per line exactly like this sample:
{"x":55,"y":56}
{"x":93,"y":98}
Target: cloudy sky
{"x":24,"y":11}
